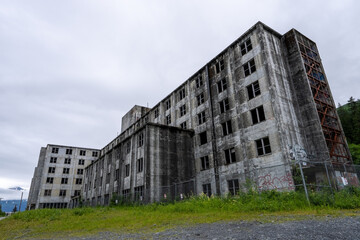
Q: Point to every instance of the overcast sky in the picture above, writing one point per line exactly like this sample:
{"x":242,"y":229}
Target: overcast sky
{"x":69,"y":70}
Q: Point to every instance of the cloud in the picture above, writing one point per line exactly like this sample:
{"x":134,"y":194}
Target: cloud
{"x":69,"y":70}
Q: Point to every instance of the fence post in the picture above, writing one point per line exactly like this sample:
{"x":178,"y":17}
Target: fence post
{"x":304,"y":183}
{"x":328,"y":177}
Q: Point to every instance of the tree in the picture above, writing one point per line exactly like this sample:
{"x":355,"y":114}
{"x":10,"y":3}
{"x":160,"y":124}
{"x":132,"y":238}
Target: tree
{"x":15,"y":209}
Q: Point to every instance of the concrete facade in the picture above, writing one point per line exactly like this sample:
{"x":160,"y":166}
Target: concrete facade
{"x":248,"y":108}
{"x":59,"y":175}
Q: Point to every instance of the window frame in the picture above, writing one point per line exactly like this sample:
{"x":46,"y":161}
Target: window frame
{"x":182,"y":110}
{"x":140,"y":165}
{"x":205,"y":162}
{"x":253,"y":90}
{"x":222,"y":85}
{"x":233,"y":186}
{"x":227,"y":127}
{"x":230,"y":155}
{"x":200,"y":99}
{"x":201,"y":138}
{"x":264,"y":145}
{"x":246,"y":47}
{"x":249,"y":67}
{"x":207,"y":189}
{"x":201,"y":118}
{"x":258,"y":115}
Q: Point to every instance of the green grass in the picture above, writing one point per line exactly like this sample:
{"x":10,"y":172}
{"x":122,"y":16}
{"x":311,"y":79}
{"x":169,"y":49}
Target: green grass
{"x":266,"y":206}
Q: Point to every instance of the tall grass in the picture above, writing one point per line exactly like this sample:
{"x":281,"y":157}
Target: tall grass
{"x":159,"y":216}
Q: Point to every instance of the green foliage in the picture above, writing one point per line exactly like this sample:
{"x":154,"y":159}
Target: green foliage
{"x":2,"y":214}
{"x":355,"y":152}
{"x":350,"y":120}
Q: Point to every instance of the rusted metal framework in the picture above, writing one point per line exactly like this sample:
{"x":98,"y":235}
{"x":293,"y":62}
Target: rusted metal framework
{"x":333,"y":134}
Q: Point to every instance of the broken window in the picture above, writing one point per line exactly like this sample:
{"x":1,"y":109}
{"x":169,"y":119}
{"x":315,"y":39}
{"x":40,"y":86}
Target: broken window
{"x":55,"y":150}
{"x":203,"y":138}
{"x":224,"y":105}
{"x":201,"y":117}
{"x":167,"y":104}
{"x":182,"y":93}
{"x":258,"y":115}
{"x":81,"y":161}
{"x":233,"y":186}
{"x":221,"y":85}
{"x":226,"y":127}
{"x":263,"y":146}
{"x":140,"y":139}
{"x":67,"y":160}
{"x":82,"y":152}
{"x":50,"y":180}
{"x":246,"y":46}
{"x":126,"y":193}
{"x":47,"y":192}
{"x":78,"y":181}
{"x":219,"y":66}
{"x":139,"y":193}
{"x":230,"y":155}
{"x":51,"y":170}
{"x":207,"y":189}
{"x":80,"y":171}
{"x":253,"y":90}
{"x":205,"y":164}
{"x":69,"y":151}
{"x":62,"y":193}
{"x":183,"y":125}
{"x":199,"y":81}
{"x":66,"y":170}
{"x":117,"y":174}
{"x":140,"y":165}
{"x":94,"y":154}
{"x":77,"y":193}
{"x":127,"y":170}
{"x":249,"y":67}
{"x":156,"y":113}
{"x":128,"y":147}
{"x":182,"y":110}
{"x":64,"y":180}
{"x":53,"y":159}
{"x":200,"y":99}
{"x":168,"y":119}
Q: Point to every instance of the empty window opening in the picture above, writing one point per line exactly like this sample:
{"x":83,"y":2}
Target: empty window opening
{"x":50,"y":180}
{"x":200,"y":99}
{"x":205,"y":163}
{"x":224,"y":105}
{"x":140,"y":165}
{"x":230,"y":155}
{"x":67,"y":161}
{"x":182,"y":110}
{"x":156,"y":113}
{"x":64,"y":180}
{"x":80,"y":171}
{"x":167,"y":104}
{"x":81,"y":161}
{"x":183,"y":125}
{"x":203,"y":138}
{"x":221,"y":85}
{"x":253,"y":90}
{"x":263,"y":146}
{"x":140,"y":139}
{"x":69,"y":151}
{"x":233,"y":186}
{"x":66,"y":170}
{"x":201,"y":117}
{"x":182,"y":93}
{"x":51,"y":170}
{"x":199,"y":81}
{"x":47,"y":192}
{"x":53,"y":159}
{"x":62,"y":193}
{"x":78,"y":181}
{"x":207,"y":189}
{"x":82,"y":152}
{"x":258,"y":115}
{"x":227,"y":128}
{"x":94,"y":154}
{"x":249,"y":67}
{"x":55,"y":150}
{"x":127,"y":170}
{"x":168,"y":119}
{"x":246,"y":46}
{"x":219,"y":66}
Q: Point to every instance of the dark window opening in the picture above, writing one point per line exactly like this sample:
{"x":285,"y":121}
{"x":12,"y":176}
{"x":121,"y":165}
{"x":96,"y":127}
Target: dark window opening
{"x":221,"y":85}
{"x":203,"y":138}
{"x":207,"y":189}
{"x":249,"y":67}
{"x":219,"y":66}
{"x":227,"y":128}
{"x":140,"y":165}
{"x":205,"y":163}
{"x":199,"y":81}
{"x":246,"y":47}
{"x":224,"y":105}
{"x":230,"y":155}
{"x":200,"y":99}
{"x":182,"y":110}
{"x":253,"y":90}
{"x":233,"y":186}
{"x":258,"y":115}
{"x":263,"y":146}
{"x":201,"y":118}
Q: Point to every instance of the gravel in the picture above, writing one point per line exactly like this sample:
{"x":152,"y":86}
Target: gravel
{"x":319,"y":229}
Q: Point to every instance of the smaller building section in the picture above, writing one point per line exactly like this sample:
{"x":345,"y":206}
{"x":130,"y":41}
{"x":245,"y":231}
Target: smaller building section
{"x":59,"y":175}
{"x":150,"y":164}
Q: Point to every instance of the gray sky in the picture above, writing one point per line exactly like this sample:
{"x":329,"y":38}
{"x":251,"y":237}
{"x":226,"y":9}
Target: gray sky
{"x":69,"y":70}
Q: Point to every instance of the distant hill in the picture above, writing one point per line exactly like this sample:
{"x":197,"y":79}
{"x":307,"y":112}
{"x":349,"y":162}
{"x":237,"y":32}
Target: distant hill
{"x":8,"y":205}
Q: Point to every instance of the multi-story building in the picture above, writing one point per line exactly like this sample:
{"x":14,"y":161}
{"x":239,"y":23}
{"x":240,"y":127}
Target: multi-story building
{"x":59,"y":175}
{"x":238,"y":118}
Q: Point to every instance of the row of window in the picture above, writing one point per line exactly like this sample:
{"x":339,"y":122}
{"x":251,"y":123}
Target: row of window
{"x":62,"y":192}
{"x":69,"y":152}
{"x":66,"y":170}
{"x":50,"y":180}
{"x":233,"y":187}
{"x":67,"y":161}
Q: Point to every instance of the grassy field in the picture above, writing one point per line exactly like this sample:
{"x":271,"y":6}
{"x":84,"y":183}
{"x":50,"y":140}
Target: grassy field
{"x":264,"y":207}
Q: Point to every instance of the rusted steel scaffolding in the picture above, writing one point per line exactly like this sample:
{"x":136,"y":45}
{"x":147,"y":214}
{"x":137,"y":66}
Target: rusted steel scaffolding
{"x":333,"y":134}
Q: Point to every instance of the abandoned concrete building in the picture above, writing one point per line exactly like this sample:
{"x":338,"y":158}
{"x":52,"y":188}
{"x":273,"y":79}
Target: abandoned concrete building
{"x":59,"y":175}
{"x":237,"y":119}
